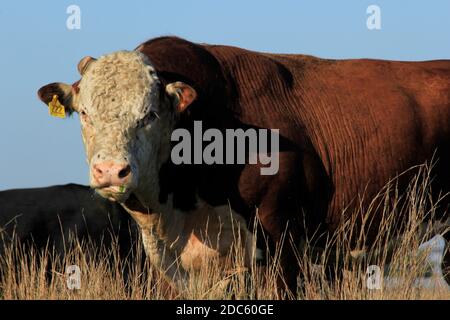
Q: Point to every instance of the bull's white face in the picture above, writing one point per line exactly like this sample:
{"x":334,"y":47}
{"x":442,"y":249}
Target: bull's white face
{"x":126,"y":122}
{"x":119,"y":106}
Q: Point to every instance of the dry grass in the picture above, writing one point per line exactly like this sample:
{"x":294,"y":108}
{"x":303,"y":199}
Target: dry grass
{"x":28,"y":274}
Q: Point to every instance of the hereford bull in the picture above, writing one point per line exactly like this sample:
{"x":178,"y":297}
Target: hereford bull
{"x":345,"y":128}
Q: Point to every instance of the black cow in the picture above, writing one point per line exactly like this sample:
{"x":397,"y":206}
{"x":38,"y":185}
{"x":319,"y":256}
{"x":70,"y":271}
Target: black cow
{"x":51,"y":216}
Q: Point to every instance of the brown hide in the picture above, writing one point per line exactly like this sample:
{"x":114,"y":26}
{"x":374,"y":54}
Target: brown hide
{"x":346,"y":128}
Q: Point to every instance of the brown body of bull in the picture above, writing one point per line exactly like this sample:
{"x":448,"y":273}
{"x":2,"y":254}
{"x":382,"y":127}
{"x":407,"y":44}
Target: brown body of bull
{"x":346,"y":128}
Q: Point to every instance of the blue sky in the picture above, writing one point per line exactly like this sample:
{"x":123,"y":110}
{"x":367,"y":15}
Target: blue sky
{"x":37,"y":48}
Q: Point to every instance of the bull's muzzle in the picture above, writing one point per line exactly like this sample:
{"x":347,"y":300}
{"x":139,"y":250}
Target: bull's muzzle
{"x":111,"y":174}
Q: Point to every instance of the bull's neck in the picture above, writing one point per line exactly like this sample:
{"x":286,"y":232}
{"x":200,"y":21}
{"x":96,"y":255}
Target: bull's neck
{"x":163,"y":239}
{"x":162,"y":222}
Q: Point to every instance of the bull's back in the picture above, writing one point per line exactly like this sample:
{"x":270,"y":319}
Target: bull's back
{"x":373,"y":120}
{"x":366,"y":120}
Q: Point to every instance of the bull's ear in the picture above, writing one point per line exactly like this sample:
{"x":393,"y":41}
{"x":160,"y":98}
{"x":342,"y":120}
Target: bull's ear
{"x":84,"y":63}
{"x":182,"y":93}
{"x":64,"y":93}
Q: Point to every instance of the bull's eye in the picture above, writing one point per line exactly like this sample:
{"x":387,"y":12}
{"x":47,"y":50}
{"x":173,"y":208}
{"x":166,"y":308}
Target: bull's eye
{"x":148,"y":119}
{"x":84,"y":118}
{"x":83,"y":114}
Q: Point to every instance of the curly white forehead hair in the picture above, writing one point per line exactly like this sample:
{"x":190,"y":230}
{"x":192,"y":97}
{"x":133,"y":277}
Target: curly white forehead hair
{"x":118,"y":83}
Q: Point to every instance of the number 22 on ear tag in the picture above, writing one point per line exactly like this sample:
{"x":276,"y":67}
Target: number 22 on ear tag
{"x":56,"y":109}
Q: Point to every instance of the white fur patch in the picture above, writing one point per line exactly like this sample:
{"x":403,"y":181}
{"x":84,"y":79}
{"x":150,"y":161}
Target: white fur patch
{"x":116,"y":95}
{"x":116,"y":92}
{"x":118,"y":84}
{"x":178,"y":242}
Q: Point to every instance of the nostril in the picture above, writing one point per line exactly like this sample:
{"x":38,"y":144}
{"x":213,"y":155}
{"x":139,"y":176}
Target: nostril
{"x":124,"y":172}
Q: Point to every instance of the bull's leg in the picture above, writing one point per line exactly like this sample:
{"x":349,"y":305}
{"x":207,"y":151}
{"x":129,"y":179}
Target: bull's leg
{"x":284,"y":234}
{"x":164,"y":259}
{"x":283,"y":244}
{"x":157,"y":242}
{"x":290,"y":267}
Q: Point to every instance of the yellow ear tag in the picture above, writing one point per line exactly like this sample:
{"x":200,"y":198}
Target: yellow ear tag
{"x":56,"y":109}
